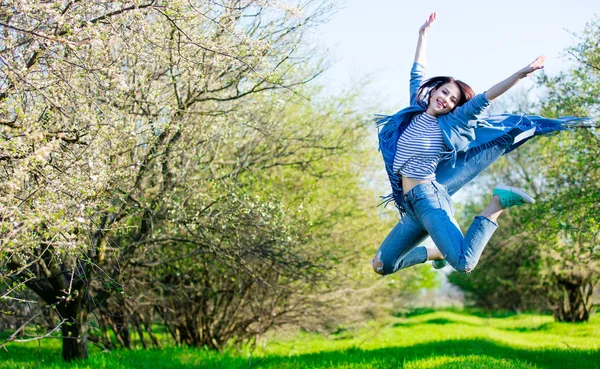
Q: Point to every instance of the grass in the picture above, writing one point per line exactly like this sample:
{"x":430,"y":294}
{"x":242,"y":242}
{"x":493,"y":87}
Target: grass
{"x":438,"y":339}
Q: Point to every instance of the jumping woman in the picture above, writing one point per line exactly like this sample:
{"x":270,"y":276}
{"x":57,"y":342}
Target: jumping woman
{"x":433,"y":148}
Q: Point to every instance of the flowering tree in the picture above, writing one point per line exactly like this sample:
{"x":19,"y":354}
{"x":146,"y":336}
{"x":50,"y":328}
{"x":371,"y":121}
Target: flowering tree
{"x":115,"y":116}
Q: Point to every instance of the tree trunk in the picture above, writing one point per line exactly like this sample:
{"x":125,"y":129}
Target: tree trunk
{"x":120,"y":327}
{"x":67,"y":293}
{"x":74,"y":330}
{"x":576,"y":303}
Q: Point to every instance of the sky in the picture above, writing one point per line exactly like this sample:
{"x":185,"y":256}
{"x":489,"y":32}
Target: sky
{"x":479,"y":42}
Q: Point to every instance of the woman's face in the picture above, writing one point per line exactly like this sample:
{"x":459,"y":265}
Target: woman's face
{"x":443,"y":100}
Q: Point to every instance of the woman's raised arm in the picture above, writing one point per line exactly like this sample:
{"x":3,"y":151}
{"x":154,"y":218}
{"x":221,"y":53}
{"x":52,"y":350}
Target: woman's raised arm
{"x":476,"y":105}
{"x":420,"y":53}
{"x":501,"y":87}
{"x":417,"y":73}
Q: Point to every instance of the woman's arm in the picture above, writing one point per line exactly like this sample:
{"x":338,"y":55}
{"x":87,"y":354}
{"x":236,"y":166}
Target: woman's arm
{"x":476,"y":105}
{"x":417,"y":73}
{"x":420,"y":53}
{"x":501,"y":87}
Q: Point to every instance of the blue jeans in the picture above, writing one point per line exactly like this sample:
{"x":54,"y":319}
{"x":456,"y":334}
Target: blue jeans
{"x":399,"y":249}
{"x":429,"y":211}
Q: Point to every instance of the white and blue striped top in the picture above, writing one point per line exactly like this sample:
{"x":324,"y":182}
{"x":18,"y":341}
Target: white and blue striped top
{"x":419,"y":148}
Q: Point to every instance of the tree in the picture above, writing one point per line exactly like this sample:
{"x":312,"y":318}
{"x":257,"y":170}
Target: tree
{"x":572,"y":210}
{"x":105,"y":107}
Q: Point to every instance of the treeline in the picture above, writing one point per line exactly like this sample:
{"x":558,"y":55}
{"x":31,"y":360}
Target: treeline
{"x":547,"y":256}
{"x":161,"y":163}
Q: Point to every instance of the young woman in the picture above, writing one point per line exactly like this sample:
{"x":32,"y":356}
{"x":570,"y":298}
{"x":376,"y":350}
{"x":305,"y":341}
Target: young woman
{"x":433,"y":148}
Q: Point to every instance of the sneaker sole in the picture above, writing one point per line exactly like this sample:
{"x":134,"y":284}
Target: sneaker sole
{"x":526,"y":197}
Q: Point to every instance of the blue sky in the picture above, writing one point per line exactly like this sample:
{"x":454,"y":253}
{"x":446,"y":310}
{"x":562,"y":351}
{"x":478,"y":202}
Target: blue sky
{"x":477,"y":41}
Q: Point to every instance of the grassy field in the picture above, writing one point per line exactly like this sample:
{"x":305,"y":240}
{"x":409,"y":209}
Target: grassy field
{"x":441,"y":339}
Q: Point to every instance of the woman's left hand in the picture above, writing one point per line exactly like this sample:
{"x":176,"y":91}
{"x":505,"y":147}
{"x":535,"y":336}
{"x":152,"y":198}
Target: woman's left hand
{"x":538,"y":63}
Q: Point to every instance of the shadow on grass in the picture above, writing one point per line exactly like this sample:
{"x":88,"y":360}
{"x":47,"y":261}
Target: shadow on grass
{"x":480,"y":313}
{"x":539,"y":328}
{"x":526,"y":327}
{"x":415,"y":312}
{"x":399,"y":356}
{"x":441,"y":321}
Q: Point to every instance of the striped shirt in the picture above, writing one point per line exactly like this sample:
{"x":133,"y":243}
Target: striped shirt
{"x":419,"y":148}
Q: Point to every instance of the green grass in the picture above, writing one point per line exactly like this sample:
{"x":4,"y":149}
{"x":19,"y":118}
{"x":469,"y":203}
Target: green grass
{"x":440,"y":339}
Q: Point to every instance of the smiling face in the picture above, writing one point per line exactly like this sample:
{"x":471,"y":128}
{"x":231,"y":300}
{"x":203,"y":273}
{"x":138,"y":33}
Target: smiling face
{"x":443,"y":99}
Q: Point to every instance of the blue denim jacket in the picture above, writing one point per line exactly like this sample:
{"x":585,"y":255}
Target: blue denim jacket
{"x":473,"y":143}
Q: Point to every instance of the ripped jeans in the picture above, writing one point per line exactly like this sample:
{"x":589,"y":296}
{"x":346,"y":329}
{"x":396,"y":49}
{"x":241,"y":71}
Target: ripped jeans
{"x":429,"y":211}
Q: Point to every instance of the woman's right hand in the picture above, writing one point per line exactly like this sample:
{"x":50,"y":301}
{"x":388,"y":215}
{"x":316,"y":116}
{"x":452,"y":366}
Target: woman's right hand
{"x":425,"y":27}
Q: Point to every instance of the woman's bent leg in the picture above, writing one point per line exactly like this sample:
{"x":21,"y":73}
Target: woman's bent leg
{"x":432,"y":206}
{"x":478,"y":235}
{"x":398,"y":249}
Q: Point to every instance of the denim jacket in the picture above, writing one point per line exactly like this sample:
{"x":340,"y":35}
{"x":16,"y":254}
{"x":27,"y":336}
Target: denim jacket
{"x":473,"y":142}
